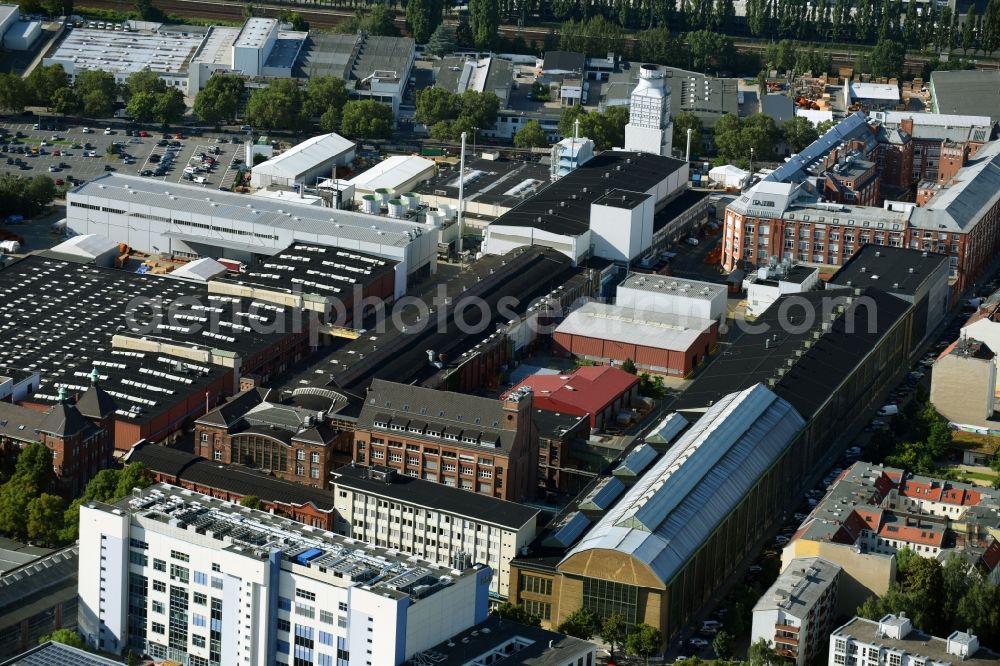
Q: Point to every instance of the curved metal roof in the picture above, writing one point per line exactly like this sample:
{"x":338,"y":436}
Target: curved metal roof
{"x":666,"y":516}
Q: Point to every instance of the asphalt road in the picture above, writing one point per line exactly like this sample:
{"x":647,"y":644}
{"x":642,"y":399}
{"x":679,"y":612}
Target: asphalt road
{"x":73,"y":162}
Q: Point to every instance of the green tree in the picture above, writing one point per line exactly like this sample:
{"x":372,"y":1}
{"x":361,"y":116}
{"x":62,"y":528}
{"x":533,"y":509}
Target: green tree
{"x":886,"y":59}
{"x":463,"y":32}
{"x":143,"y":81}
{"x":980,"y":610}
{"x":140,"y":106}
{"x":381,"y":22}
{"x":366,"y":119}
{"x":251,"y":502}
{"x":581,"y":623}
{"x":484,"y":19}
{"x":15,"y":496}
{"x":44,"y":522}
{"x":871,"y":609}
{"x":442,"y":41}
{"x":722,"y":645}
{"x":644,"y":641}
{"x":612,"y":632}
{"x":65,"y":101}
{"x":279,"y":106}
{"x":628,"y":365}
{"x":219,"y":99}
{"x":436,"y":104}
{"x":59,"y":7}
{"x":799,"y":133}
{"x":132,"y":659}
{"x":423,"y":17}
{"x":531,"y":135}
{"x":169,"y":107}
{"x":34,"y":462}
{"x":294,"y":19}
{"x":134,"y":475}
{"x":478,"y":109}
{"x":323,"y":94}
{"x":760,"y":653}
{"x":13,"y":93}
{"x":684,"y":121}
{"x":66,"y":637}
{"x":968,"y":29}
{"x":825,"y":126}
{"x":39,"y":193}
{"x":146,"y":10}
{"x":42,"y":83}
{"x":710,"y":51}
{"x":659,"y":46}
{"x":98,"y":91}
{"x":516,"y":613}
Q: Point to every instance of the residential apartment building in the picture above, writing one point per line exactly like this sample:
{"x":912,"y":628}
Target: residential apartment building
{"x":477,"y":444}
{"x":894,"y":641}
{"x":443,"y":525}
{"x":871,"y":512}
{"x":826,"y":202}
{"x":204,"y":582}
{"x":254,"y":429}
{"x":795,"y":613}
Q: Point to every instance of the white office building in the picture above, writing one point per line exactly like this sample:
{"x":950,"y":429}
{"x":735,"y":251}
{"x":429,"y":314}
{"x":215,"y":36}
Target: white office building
{"x":794,"y":615}
{"x":445,"y":525}
{"x":191,"y":222}
{"x":894,"y":641}
{"x":649,"y":128}
{"x":189,"y":578}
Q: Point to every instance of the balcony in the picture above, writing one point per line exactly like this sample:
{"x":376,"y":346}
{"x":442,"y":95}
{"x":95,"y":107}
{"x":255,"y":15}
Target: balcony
{"x":787,"y":627}
{"x":785,"y":640}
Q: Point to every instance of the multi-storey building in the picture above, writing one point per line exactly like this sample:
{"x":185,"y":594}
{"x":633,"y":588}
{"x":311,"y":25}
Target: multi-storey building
{"x":477,"y":444}
{"x":894,"y":641}
{"x":254,"y":430}
{"x":872,"y":512}
{"x":794,"y":614}
{"x":826,"y":202}
{"x":443,"y":525}
{"x":559,"y":469}
{"x":928,"y":134}
{"x":598,"y":392}
{"x":200,"y":581}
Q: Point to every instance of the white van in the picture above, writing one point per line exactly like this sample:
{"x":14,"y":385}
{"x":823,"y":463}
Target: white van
{"x":888,"y":410}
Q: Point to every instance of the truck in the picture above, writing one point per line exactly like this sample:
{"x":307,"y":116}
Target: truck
{"x":233,"y":265}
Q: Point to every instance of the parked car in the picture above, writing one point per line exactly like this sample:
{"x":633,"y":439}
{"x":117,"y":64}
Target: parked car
{"x":888,"y":410}
{"x":781,"y":540}
{"x":699,"y":643}
{"x":146,"y":172}
{"x":154,"y":158}
{"x":691,"y":241}
{"x":108,"y":167}
{"x":87,"y":130}
{"x":53,"y":168}
{"x":162,"y":143}
{"x":108,"y":131}
{"x":143,"y":133}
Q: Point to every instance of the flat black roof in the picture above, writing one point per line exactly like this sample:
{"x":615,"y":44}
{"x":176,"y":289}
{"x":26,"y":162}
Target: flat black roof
{"x":623,"y":199}
{"x":563,"y":207}
{"x":399,"y":355}
{"x":757,"y":353}
{"x":311,"y":268}
{"x":232,"y":478}
{"x":59,"y":318}
{"x":687,"y":200}
{"x":435,"y":496}
{"x":894,"y":269}
{"x":553,"y":424}
{"x":496,"y":182}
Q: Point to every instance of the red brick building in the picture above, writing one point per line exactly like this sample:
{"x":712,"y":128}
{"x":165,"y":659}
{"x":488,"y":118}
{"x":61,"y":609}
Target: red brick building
{"x":258,"y":432}
{"x":477,"y":444}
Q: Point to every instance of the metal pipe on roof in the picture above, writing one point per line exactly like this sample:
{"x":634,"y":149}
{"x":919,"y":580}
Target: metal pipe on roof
{"x":461,"y":195}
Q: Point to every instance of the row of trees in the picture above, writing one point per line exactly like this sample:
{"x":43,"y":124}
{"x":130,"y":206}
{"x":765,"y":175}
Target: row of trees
{"x":93,"y":93}
{"x":940,"y":597}
{"x":25,"y":196}
{"x":607,"y":129}
{"x":30,"y":508}
{"x":737,"y":140}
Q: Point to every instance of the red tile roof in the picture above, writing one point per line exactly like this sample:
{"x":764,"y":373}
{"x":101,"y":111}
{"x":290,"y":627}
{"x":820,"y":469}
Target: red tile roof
{"x":991,"y":556}
{"x":940,"y":492}
{"x":910,"y":534}
{"x":588,"y":391}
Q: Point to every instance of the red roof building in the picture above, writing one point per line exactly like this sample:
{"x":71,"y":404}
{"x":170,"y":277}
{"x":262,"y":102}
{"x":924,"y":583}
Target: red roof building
{"x":598,"y":392}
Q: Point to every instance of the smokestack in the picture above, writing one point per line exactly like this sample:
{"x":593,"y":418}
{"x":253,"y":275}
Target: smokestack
{"x":687,"y":153}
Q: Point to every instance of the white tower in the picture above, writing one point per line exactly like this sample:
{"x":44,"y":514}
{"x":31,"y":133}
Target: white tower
{"x":649,"y":128}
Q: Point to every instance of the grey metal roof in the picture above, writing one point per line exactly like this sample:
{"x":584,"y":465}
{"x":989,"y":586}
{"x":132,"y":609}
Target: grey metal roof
{"x":173,"y":198}
{"x":799,"y":586}
{"x":19,"y":423}
{"x":639,"y":458}
{"x":665,"y":517}
{"x":972,"y":92}
{"x":966,"y":199}
{"x":59,"y":654}
{"x":306,"y":156}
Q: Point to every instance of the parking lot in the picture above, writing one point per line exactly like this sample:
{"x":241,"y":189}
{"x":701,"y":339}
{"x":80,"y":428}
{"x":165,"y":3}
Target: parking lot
{"x":73,"y":162}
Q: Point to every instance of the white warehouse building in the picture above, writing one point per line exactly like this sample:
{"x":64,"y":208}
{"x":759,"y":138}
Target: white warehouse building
{"x":190,"y":222}
{"x":197,"y":580}
{"x":304,"y":163}
{"x":673,"y":296}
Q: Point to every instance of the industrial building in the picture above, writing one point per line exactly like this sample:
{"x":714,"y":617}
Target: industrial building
{"x":478,"y":444}
{"x":304,"y":163}
{"x":871,"y":96}
{"x":396,"y":173}
{"x":450,"y":527}
{"x":655,"y":545}
{"x":186,"y":221}
{"x":871,"y":512}
{"x":668,"y":344}
{"x":88,"y":249}
{"x":930,"y":132}
{"x":16,"y":384}
{"x":795,"y":614}
{"x":37,"y":596}
{"x":768,"y":283}
{"x":650,"y":128}
{"x":893,"y":639}
{"x":599,"y":393}
{"x":17,"y":33}
{"x":158,"y":373}
{"x":667,"y":295}
{"x":915,"y":276}
{"x":298,"y":582}
{"x":603,"y":208}
{"x":966,"y":92}
{"x":489,"y":74}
